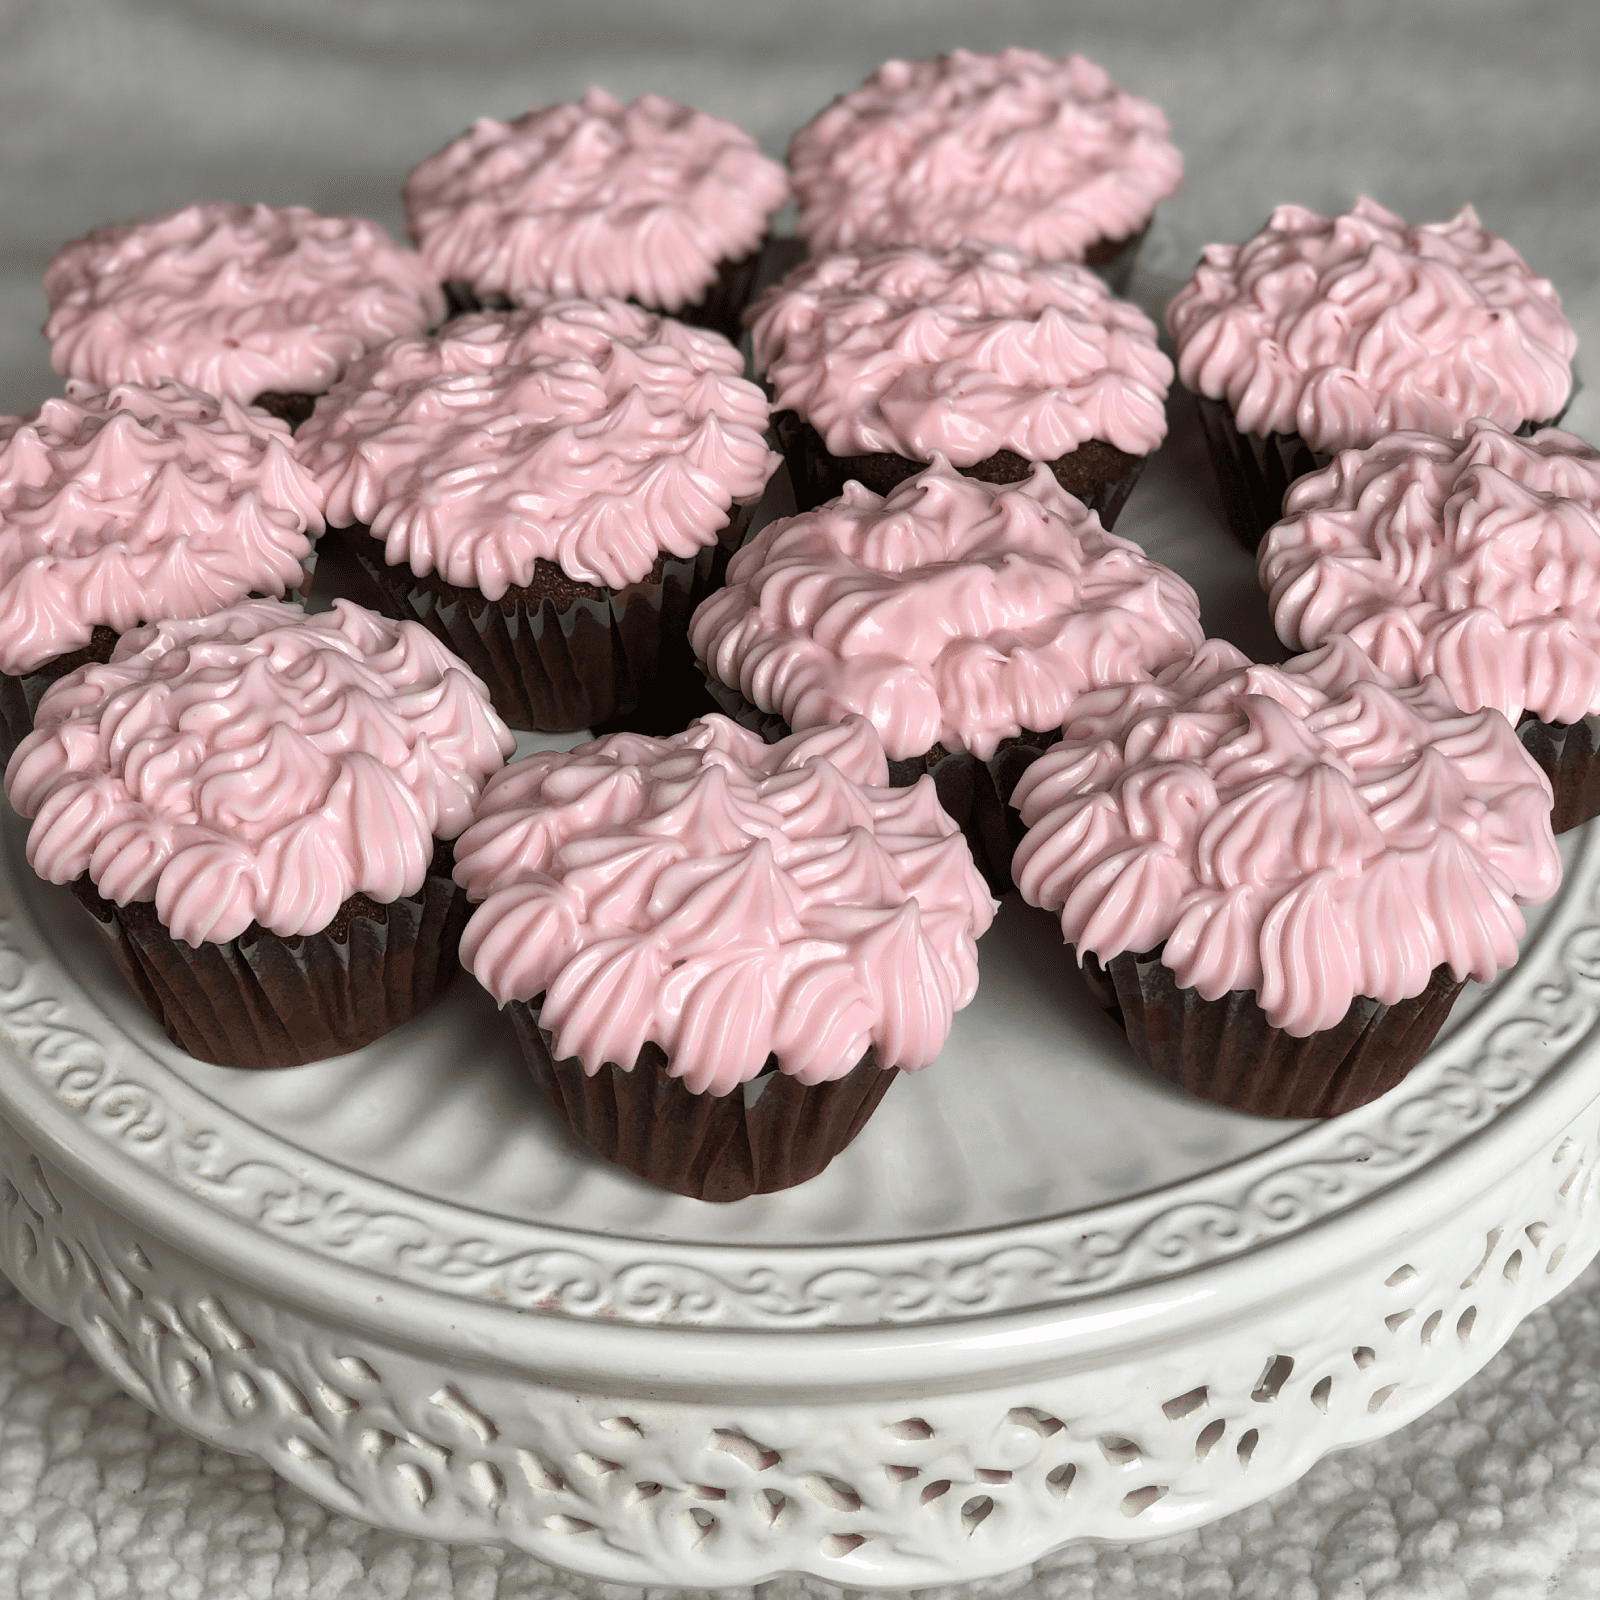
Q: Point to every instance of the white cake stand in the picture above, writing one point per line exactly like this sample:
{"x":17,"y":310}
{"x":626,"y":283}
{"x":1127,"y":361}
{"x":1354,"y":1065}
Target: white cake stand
{"x":1042,"y":1298}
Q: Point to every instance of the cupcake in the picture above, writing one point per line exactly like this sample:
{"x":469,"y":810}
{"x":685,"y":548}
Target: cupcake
{"x":963,"y":619}
{"x":1474,"y":561}
{"x":650,"y":202}
{"x":255,"y":808}
{"x":551,"y":492}
{"x":1325,"y":333}
{"x":256,"y":303}
{"x":1279,"y":877}
{"x":131,"y":504}
{"x":878,"y":362}
{"x":1049,"y":157}
{"x":717,"y":953}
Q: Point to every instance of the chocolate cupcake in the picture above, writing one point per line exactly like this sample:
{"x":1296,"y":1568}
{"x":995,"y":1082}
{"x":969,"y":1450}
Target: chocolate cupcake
{"x":650,"y":202}
{"x":1279,"y":877}
{"x":717,"y":953}
{"x":131,"y":504}
{"x":879,"y":362}
{"x":963,"y":619}
{"x":1323,"y":334}
{"x":256,"y":303}
{"x":1049,"y":157}
{"x":1475,"y":561}
{"x":255,"y":807}
{"x":552,"y":493}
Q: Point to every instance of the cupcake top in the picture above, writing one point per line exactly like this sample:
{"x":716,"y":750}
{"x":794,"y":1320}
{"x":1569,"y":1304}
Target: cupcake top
{"x":1342,"y":329}
{"x":1312,"y":832}
{"x":1048,"y":156}
{"x":256,"y":765}
{"x":125,"y":505}
{"x":729,"y":900}
{"x":963,"y":352}
{"x":236,"y":300}
{"x":589,"y":433}
{"x":1473,"y":561}
{"x":642,"y":201}
{"x":952,"y":612}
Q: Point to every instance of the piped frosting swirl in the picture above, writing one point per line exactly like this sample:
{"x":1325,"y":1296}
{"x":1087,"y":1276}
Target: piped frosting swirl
{"x":1311,"y":832}
{"x":726,"y":899}
{"x":589,"y":433}
{"x":962,"y":352}
{"x":1014,"y":148}
{"x":1476,"y":562}
{"x":1342,"y":329}
{"x":236,"y":300}
{"x":951,"y":612}
{"x":256,"y":765}
{"x":130,"y":504}
{"x":641,"y":201}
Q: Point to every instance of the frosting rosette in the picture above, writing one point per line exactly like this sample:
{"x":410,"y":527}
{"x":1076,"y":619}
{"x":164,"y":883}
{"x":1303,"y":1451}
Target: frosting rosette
{"x":952,"y":612}
{"x":1342,"y":329}
{"x":1474,"y":561}
{"x":962,"y":352}
{"x":589,"y":433}
{"x":1048,"y":156}
{"x":726,"y":900}
{"x":126,"y":505}
{"x":1312,"y":832}
{"x":256,"y":766}
{"x":236,"y":300}
{"x":641,"y":201}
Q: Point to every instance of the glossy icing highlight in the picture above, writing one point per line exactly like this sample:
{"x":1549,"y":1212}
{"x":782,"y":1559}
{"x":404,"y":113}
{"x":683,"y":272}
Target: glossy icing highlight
{"x":589,"y":433}
{"x":1311,"y":832}
{"x":951,"y":612}
{"x":256,"y":765}
{"x":1342,"y":329}
{"x":960,"y":352}
{"x":641,"y":201}
{"x":1015,"y":148}
{"x":1476,"y":562}
{"x":236,"y":300}
{"x":125,"y":505}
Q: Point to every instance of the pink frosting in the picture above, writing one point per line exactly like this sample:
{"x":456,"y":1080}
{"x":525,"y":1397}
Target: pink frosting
{"x":590,"y":433}
{"x":1048,"y":156}
{"x":256,"y":765}
{"x":726,"y":899}
{"x":1342,"y":329}
{"x":126,"y":505}
{"x":236,"y":300}
{"x":963,"y":352}
{"x":1311,"y":832}
{"x":1476,"y":562}
{"x":952,"y":612}
{"x":642,"y":201}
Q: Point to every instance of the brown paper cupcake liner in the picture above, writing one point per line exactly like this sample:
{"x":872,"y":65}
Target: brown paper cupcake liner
{"x":769,"y":1134}
{"x":265,"y":1001}
{"x":1225,"y":1050}
{"x":976,"y":794}
{"x":1098,"y":474}
{"x":1569,"y":755}
{"x":559,"y":655}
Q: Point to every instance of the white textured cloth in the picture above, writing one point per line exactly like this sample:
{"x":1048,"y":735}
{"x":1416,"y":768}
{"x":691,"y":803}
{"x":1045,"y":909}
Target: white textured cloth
{"x":110,"y":110}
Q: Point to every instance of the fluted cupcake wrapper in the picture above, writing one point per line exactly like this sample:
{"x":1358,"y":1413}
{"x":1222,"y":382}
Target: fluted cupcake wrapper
{"x":1569,"y":755}
{"x":976,"y":794}
{"x":1098,"y":474}
{"x":265,"y":1001}
{"x":769,"y":1134}
{"x":1225,"y":1050}
{"x":557,"y":664}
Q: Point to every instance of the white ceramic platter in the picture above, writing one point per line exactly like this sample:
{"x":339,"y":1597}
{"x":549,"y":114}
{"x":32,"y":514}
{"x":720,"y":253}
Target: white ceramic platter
{"x":1043,"y":1297}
